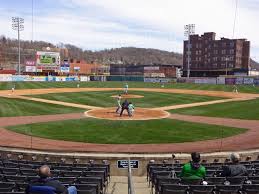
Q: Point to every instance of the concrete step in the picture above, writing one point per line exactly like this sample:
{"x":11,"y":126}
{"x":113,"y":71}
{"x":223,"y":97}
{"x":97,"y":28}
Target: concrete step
{"x":119,"y":185}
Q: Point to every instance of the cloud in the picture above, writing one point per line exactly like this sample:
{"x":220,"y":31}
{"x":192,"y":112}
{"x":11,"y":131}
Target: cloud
{"x":98,"y":24}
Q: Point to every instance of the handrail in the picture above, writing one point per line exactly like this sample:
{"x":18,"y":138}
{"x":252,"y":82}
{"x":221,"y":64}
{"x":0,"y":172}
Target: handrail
{"x":130,"y":182}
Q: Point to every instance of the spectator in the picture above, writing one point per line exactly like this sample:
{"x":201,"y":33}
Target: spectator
{"x":234,"y":169}
{"x":46,"y":180}
{"x":193,"y":171}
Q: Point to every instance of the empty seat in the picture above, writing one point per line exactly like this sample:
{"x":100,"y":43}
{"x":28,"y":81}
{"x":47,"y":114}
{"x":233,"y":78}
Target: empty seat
{"x":228,"y":189}
{"x":6,"y":187}
{"x":11,"y":171}
{"x":28,"y":172}
{"x":91,"y":191}
{"x":250,"y":189}
{"x":215,"y":180}
{"x":236,"y":180}
{"x":16,"y":178}
{"x":71,"y":173}
{"x":87,"y":187}
{"x":174,"y":189}
{"x":66,"y":180}
{"x":201,"y":189}
{"x":165,"y":180}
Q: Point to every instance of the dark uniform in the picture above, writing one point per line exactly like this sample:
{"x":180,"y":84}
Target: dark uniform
{"x":125,"y":105}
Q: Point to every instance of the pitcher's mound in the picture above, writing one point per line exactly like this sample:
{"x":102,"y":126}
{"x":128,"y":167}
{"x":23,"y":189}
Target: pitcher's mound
{"x":128,"y":96}
{"x":139,"y":114}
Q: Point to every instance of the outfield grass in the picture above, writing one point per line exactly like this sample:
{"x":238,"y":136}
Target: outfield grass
{"x":18,"y":107}
{"x":239,"y":110}
{"x":104,"y":99}
{"x":34,"y":85}
{"x":126,"y":132}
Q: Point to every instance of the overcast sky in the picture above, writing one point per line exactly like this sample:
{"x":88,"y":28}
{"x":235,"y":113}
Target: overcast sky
{"x":100,"y":24}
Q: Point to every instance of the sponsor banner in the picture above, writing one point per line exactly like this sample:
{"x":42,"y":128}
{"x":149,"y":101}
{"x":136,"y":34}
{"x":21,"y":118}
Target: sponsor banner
{"x":220,"y":80}
{"x":85,"y":78}
{"x":157,"y":80}
{"x":230,"y":81}
{"x":239,"y":80}
{"x":154,"y":75}
{"x":51,"y":78}
{"x":39,"y":78}
{"x":5,"y":77}
{"x":248,"y":80}
{"x":206,"y":81}
{"x":256,"y":81}
{"x":60,"y":79}
{"x":72,"y":78}
{"x":17,"y":78}
{"x":30,"y":63}
{"x":151,"y":68}
{"x":30,"y":69}
{"x":64,"y":69}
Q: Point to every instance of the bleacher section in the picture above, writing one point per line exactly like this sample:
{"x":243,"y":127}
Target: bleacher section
{"x":89,"y":178}
{"x":163,"y":178}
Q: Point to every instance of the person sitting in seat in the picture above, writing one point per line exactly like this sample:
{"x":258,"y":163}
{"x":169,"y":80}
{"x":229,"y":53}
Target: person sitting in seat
{"x":235,"y":168}
{"x":46,"y":180}
{"x":193,"y":171}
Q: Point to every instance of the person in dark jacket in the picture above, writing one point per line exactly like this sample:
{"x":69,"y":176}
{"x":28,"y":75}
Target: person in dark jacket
{"x":234,"y":169}
{"x":193,"y":170}
{"x":124,"y":106}
{"x":46,"y":180}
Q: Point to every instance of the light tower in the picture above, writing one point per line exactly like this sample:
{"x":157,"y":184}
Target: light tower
{"x":18,"y":25}
{"x":188,"y":31}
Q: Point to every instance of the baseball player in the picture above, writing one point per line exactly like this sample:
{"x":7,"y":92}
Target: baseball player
{"x":126,"y":88}
{"x":13,"y":88}
{"x":131,"y":109}
{"x":235,"y":89}
{"x":118,"y":103}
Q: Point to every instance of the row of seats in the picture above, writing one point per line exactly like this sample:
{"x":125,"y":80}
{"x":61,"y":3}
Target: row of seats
{"x":164,"y":178}
{"x":209,"y":189}
{"x":89,"y":178}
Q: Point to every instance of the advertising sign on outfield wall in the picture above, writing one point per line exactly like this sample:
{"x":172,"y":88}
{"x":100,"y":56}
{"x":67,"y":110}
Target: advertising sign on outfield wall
{"x":157,"y":80}
{"x":230,"y":81}
{"x":220,"y":80}
{"x":248,"y":80}
{"x":30,"y":69}
{"x":256,"y":81}
{"x":239,"y":80}
{"x":5,"y":77}
{"x":85,"y":78}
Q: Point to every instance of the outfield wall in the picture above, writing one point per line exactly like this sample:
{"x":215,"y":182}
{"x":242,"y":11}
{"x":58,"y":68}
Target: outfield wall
{"x":103,"y":78}
{"x":222,"y":80}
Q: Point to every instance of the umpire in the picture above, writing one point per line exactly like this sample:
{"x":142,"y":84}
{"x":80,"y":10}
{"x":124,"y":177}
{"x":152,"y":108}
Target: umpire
{"x":125,"y":105}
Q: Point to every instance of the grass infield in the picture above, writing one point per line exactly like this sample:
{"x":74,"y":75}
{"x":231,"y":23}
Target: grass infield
{"x":238,"y":110}
{"x":104,"y":99}
{"x":126,"y":132}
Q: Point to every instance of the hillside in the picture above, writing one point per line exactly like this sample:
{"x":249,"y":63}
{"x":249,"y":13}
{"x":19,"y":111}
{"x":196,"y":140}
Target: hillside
{"x":128,"y":55}
{"x":254,"y":64}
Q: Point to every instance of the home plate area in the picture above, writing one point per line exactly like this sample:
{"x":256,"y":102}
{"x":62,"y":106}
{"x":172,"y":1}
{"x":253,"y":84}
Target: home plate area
{"x":139,"y":114}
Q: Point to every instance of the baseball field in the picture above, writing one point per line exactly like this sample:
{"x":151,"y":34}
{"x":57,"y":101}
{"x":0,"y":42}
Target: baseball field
{"x":168,"y":118}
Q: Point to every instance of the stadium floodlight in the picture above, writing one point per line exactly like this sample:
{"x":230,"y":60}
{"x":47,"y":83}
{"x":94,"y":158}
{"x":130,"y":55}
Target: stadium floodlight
{"x":189,"y":29}
{"x":18,"y":25}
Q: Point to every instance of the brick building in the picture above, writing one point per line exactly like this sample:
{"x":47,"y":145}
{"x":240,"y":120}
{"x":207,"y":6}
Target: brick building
{"x":211,"y":58}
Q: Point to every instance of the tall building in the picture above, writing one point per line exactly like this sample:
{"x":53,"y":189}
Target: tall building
{"x":211,"y":58}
